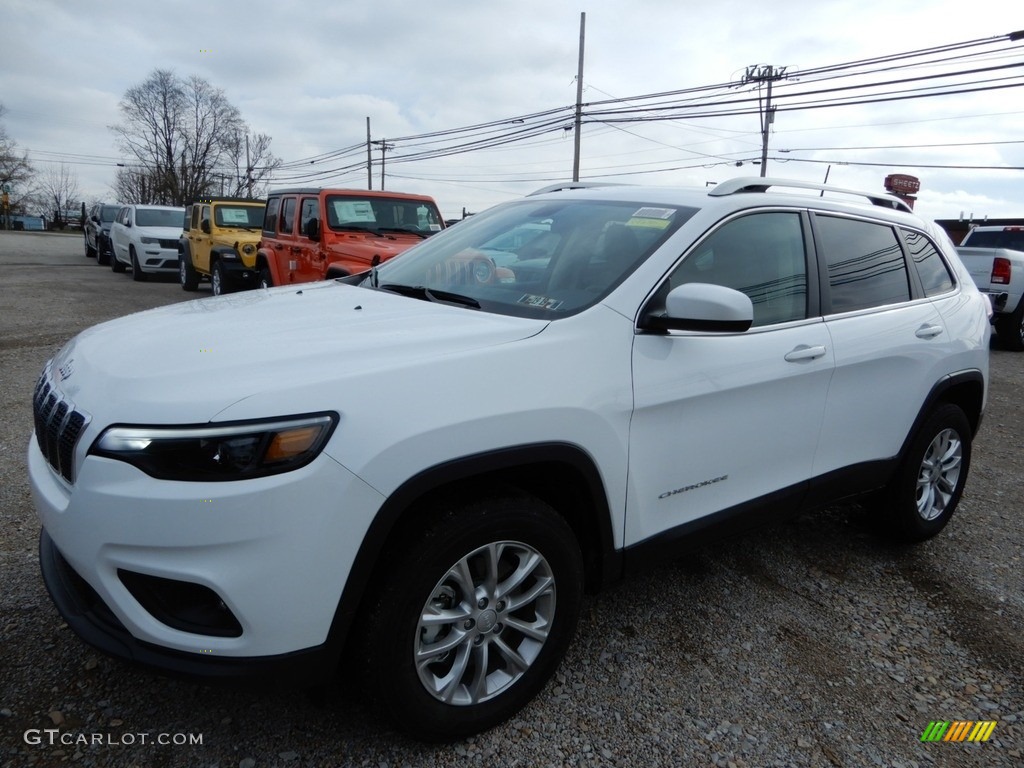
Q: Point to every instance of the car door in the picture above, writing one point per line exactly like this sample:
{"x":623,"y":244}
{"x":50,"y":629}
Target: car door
{"x":311,"y":256}
{"x":119,"y":234}
{"x":199,"y":234}
{"x":890,"y":342}
{"x":721,"y":419}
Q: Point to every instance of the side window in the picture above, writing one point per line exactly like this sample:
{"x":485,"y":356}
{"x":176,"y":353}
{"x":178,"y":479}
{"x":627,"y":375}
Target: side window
{"x":865,"y":263}
{"x":761,"y":255}
{"x":308,"y":213}
{"x":205,"y":216}
{"x":932,"y":270}
{"x":270,"y":220}
{"x":288,"y":216}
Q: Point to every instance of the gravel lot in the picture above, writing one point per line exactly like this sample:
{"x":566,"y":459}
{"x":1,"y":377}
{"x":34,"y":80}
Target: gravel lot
{"x":808,"y":644}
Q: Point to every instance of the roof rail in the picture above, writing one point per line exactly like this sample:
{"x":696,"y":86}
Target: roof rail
{"x":572,"y":185}
{"x":761,"y":184}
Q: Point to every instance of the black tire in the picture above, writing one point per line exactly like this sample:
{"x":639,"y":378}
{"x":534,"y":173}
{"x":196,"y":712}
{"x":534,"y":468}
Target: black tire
{"x":1010,"y":329}
{"x":419,"y":577}
{"x":90,"y":252}
{"x":265,"y":279}
{"x":922,"y":497}
{"x":137,"y":274}
{"x":187,"y":274}
{"x":115,"y":264}
{"x":218,"y":280}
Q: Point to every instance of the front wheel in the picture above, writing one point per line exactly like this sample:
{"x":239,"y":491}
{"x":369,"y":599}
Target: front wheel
{"x":218,"y":281}
{"x":472,"y":614}
{"x":265,"y":279}
{"x":927,"y":488}
{"x":116,"y":265}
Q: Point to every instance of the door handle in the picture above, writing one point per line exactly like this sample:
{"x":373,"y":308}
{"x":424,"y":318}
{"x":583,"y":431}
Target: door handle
{"x":928,"y":331}
{"x":804,"y":352}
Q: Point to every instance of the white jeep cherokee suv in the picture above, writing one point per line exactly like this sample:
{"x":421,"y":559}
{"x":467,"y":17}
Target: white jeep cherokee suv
{"x":414,"y":473}
{"x":144,"y":238}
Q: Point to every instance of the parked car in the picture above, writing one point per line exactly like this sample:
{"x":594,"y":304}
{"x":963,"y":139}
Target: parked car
{"x":310,"y":234}
{"x":994,"y":256}
{"x":144,"y":238}
{"x":219,"y":244}
{"x":97,"y":231}
{"x":411,"y":475}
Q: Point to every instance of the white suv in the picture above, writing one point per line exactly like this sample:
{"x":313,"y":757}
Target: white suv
{"x":414,"y":473}
{"x":144,"y":238}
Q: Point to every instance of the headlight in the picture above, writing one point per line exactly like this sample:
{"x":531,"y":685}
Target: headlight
{"x":149,"y":240}
{"x":236,"y":451}
{"x":248,"y":249}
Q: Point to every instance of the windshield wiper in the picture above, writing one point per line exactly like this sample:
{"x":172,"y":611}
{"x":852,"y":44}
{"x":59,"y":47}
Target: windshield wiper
{"x":354,"y":228}
{"x":405,"y":230}
{"x":431,"y":294}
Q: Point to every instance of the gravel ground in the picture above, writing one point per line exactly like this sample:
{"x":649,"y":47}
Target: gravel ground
{"x":810,"y":643}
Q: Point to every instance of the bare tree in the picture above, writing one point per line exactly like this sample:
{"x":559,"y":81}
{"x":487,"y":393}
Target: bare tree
{"x":16,"y":172}
{"x":249,"y":164}
{"x":59,"y":187}
{"x":136,"y":185}
{"x":184,"y":135}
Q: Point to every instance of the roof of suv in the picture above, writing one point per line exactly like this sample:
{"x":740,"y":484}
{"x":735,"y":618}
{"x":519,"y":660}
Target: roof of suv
{"x":743,"y":192}
{"x":343,"y":191}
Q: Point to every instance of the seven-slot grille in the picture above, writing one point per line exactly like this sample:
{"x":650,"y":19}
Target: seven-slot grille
{"x":58,"y":426}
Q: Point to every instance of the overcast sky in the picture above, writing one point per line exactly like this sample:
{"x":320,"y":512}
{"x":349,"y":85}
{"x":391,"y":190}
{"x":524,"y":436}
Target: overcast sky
{"x":310,"y":73}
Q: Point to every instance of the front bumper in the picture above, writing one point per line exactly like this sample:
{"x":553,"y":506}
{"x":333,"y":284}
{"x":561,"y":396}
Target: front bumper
{"x":274,"y":554}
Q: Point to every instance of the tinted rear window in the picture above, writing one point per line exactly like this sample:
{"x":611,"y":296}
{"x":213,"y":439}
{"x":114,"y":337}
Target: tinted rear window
{"x":1000,"y":238}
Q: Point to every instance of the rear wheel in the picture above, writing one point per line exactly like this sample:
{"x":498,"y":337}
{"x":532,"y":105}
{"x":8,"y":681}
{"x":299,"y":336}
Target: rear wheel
{"x":137,"y":274}
{"x":472,"y":613}
{"x":927,"y":488}
{"x":187,"y":275}
{"x":115,"y":264}
{"x":1011,"y":329}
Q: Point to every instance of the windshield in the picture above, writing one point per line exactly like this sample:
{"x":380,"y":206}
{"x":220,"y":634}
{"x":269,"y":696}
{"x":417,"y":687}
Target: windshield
{"x":381,"y":213}
{"x":534,"y":258}
{"x":109,"y":212}
{"x":159,"y":217}
{"x":239,"y":216}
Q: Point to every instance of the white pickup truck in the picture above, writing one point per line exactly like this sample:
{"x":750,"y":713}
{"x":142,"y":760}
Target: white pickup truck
{"x":995,"y":258}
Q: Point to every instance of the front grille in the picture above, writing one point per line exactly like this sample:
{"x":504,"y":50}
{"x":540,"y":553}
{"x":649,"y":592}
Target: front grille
{"x":172,"y":244}
{"x":58,"y":426}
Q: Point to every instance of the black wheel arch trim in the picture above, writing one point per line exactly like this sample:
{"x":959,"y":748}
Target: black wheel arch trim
{"x":604,"y":560}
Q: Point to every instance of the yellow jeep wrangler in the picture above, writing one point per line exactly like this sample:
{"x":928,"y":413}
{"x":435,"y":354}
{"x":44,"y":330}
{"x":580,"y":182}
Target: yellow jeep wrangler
{"x":219,"y":243}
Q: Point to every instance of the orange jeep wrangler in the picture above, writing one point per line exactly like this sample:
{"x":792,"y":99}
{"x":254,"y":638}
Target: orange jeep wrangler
{"x":316,"y":234}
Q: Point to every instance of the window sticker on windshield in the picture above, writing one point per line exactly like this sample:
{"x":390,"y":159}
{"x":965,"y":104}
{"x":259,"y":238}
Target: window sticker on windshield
{"x":541,"y":302}
{"x":435,"y":227}
{"x":234,"y":215}
{"x":348,"y":211}
{"x":656,"y":218}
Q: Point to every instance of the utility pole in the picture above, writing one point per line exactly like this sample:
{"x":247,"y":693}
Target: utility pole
{"x":369,"y":158}
{"x":765,"y":73}
{"x":384,"y":147}
{"x":248,"y":168}
{"x":579,"y":103}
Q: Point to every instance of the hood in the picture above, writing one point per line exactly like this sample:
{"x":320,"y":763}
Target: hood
{"x":186,"y":362}
{"x":161,"y":233}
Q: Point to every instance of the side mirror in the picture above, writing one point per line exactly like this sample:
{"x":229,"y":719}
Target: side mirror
{"x":313,"y":229}
{"x":205,"y":226}
{"x":704,"y":307}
